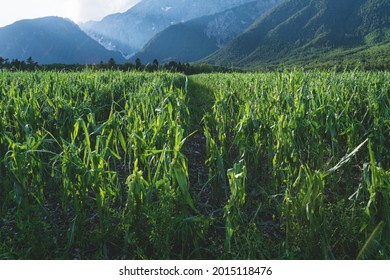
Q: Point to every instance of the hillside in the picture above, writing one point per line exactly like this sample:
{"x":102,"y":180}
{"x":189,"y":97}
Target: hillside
{"x":198,"y":38}
{"x":298,"y":31}
{"x":51,"y":40}
{"x":128,"y":32}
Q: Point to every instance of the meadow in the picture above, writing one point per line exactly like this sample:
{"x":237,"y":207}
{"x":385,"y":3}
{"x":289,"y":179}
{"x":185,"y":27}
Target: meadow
{"x":130,"y":165}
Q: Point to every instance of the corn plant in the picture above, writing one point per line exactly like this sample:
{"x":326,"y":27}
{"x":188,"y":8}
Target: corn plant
{"x":293,"y":130}
{"x":92,"y":165}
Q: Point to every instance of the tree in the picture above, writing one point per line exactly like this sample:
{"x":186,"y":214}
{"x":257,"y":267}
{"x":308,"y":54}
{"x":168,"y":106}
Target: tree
{"x":31,"y":64}
{"x":138,"y":64}
{"x":111,"y":63}
{"x":100,"y":65}
{"x":17,"y":65}
{"x":4,"y":62}
{"x":155,"y":64}
{"x":172,"y":66}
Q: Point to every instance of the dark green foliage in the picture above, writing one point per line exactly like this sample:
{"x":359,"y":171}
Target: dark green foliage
{"x":306,"y":31}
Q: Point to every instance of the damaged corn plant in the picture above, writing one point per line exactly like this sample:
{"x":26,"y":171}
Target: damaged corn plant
{"x":99,"y":165}
{"x":91,"y":166}
{"x":315,"y":150}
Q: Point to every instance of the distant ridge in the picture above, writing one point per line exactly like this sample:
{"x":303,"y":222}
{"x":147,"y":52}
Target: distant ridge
{"x":51,"y":40}
{"x":128,"y":32}
{"x":200,"y":37}
{"x":302,"y":31}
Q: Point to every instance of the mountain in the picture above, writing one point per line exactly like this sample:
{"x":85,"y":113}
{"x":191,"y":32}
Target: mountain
{"x":128,"y":32}
{"x":51,"y":40}
{"x":307,"y":30}
{"x":198,"y":38}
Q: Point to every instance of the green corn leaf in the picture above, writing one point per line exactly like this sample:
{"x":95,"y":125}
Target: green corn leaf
{"x":370,"y":247}
{"x":181,"y":179}
{"x":346,"y":158}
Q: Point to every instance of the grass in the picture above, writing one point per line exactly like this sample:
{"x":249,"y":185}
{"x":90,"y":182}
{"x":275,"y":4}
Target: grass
{"x":113,"y":165}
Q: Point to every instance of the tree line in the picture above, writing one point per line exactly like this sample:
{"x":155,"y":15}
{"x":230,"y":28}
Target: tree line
{"x":16,"y":64}
{"x":172,"y":66}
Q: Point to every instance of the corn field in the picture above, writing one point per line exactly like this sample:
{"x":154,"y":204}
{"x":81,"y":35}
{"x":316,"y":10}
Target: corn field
{"x":101,"y":165}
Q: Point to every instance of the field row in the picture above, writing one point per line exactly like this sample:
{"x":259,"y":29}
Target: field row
{"x":306,"y":153}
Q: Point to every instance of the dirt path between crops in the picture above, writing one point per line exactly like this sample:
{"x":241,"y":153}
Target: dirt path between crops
{"x":200,"y":102}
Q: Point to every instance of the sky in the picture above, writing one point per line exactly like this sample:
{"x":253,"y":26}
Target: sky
{"x":76,"y":10}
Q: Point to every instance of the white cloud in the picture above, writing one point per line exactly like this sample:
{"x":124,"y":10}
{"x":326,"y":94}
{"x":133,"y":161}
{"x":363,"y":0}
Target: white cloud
{"x":96,"y":9}
{"x":76,"y":10}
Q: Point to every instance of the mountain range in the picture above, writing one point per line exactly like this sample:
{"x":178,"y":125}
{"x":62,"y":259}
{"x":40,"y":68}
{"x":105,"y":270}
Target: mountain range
{"x":128,"y":32}
{"x":52,"y":40}
{"x":200,"y":37}
{"x":239,"y":33}
{"x":311,"y":30}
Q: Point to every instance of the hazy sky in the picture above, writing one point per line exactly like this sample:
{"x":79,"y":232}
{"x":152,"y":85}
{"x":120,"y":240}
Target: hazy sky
{"x":76,"y":10}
